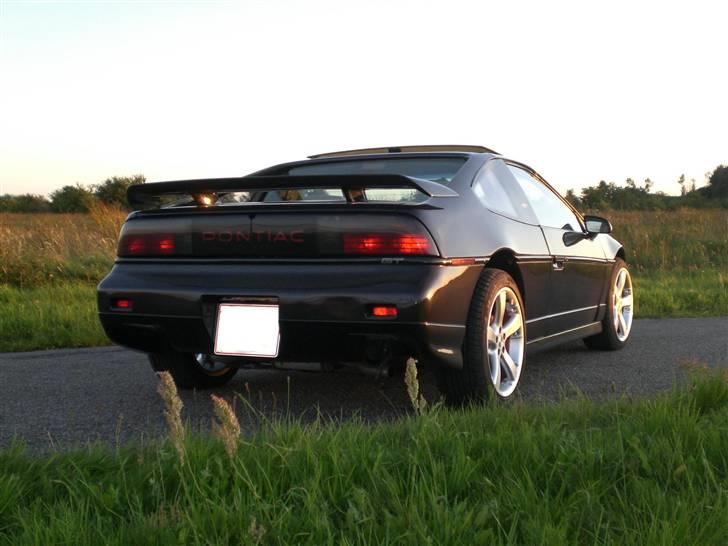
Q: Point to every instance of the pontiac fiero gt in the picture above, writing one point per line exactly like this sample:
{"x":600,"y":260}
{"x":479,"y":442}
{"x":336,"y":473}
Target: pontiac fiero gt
{"x":455,"y":255}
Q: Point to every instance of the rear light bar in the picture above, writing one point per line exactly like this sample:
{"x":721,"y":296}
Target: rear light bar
{"x":388,"y":244}
{"x":307,"y":234}
{"x":146,"y":245}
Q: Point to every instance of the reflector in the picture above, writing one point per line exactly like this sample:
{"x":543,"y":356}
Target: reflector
{"x":122,"y":303}
{"x":384,"y":311}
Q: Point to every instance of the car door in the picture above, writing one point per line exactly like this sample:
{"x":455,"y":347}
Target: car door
{"x":579,"y":265}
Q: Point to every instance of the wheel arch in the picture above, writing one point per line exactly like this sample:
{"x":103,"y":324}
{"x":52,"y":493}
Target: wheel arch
{"x":505,"y":260}
{"x":621,"y":253}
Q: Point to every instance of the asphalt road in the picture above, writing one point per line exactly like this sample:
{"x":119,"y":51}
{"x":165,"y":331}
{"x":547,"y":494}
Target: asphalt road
{"x":64,"y":398}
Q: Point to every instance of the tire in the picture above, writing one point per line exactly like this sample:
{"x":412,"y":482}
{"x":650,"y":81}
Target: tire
{"x":188,"y":373}
{"x":484,"y":370}
{"x":615,"y":335}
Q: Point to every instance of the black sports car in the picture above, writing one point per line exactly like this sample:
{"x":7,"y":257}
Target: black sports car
{"x":455,"y":255}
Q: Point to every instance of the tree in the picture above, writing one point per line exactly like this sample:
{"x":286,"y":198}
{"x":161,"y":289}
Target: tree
{"x":599,"y":197}
{"x":718,"y":183}
{"x":572,"y":198}
{"x":112,"y":191}
{"x":681,"y":181}
{"x":72,"y":199}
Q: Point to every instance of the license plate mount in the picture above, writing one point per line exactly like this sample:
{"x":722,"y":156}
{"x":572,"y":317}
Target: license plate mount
{"x":245,"y":329}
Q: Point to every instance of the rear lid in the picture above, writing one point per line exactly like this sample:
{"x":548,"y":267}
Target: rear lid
{"x":322,"y":215}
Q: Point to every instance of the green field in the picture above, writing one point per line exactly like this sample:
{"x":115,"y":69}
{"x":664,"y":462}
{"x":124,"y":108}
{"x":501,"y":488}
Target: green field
{"x":49,"y":317}
{"x":50,"y":264}
{"x":576,"y":472}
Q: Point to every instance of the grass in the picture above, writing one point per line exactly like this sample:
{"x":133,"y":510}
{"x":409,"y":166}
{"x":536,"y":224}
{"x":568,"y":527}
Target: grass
{"x":46,"y":249}
{"x":679,"y":261}
{"x":50,"y":316}
{"x":651,"y":471}
{"x":676,"y":242}
{"x":701,"y":293}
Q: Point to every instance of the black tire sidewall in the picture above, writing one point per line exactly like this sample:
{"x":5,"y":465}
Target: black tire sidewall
{"x":475,"y":361}
{"x":186,"y":371}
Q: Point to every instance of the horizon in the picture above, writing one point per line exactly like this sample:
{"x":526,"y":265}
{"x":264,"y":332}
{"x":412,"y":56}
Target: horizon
{"x":623,"y":183}
{"x":186,"y":90}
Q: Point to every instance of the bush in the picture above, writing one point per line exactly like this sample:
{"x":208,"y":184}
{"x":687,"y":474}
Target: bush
{"x":24,"y":203}
{"x":113,"y":190}
{"x":72,"y":199}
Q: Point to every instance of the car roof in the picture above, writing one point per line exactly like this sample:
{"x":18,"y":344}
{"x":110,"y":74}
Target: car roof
{"x":429,"y":148}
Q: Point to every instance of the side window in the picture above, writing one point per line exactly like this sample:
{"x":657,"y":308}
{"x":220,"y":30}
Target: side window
{"x":489,"y":187}
{"x":550,"y":210}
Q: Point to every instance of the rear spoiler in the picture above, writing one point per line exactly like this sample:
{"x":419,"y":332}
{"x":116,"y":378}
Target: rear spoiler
{"x":155,"y":195}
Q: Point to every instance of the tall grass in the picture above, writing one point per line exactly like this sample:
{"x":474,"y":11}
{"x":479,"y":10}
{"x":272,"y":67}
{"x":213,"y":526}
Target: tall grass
{"x":653,"y":471}
{"x":38,"y":249}
{"x":666,"y":242}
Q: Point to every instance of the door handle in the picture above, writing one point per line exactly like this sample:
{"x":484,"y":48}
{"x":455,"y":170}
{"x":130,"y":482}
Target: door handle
{"x":558,"y":264}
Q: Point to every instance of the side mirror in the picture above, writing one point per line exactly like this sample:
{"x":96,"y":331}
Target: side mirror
{"x":596,"y":225}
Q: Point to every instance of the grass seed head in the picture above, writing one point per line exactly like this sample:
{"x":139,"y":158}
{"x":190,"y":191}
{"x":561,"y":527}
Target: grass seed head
{"x":257,"y":531}
{"x":227,"y":427}
{"x":413,"y":387}
{"x":172,"y":412}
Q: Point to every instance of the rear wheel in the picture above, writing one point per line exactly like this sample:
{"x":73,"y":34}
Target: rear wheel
{"x":192,"y":371}
{"x":495,"y":343}
{"x":617,"y":324}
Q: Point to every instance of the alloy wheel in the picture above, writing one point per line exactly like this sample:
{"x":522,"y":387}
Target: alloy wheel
{"x":623,"y":304}
{"x":209,"y":365}
{"x":505,"y":342}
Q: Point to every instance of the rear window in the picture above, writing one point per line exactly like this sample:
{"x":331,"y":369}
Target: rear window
{"x":436,"y":169}
{"x":441,"y":170}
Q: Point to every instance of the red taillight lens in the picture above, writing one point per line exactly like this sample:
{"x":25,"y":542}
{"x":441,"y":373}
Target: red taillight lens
{"x":387,"y":244}
{"x":384,"y":311}
{"x":123,"y":304}
{"x":136,"y":245}
{"x":166,"y":245}
{"x":146,"y":245}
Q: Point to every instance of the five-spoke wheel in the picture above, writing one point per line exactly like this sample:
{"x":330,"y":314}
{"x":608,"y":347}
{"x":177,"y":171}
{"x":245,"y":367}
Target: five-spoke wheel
{"x":495,"y":343}
{"x":505,"y":341}
{"x":622,"y":302}
{"x":617,"y":323}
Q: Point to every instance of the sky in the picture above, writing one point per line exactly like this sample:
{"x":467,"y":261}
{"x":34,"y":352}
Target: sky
{"x":580,"y":91}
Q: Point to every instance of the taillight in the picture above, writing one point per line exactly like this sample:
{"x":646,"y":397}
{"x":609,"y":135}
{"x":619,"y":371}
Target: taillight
{"x":388,"y":244}
{"x":146,"y":245}
{"x":166,"y":245}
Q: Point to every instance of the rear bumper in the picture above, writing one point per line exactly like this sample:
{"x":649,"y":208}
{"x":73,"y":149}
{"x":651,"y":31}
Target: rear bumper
{"x":323,"y":307}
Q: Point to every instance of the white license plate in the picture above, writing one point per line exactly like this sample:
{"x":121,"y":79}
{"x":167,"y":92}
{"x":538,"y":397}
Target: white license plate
{"x":247,"y":330}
